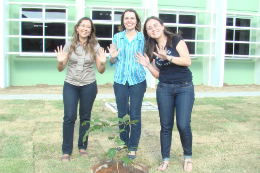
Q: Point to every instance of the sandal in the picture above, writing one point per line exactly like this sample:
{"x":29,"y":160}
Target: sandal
{"x":188,"y":166}
{"x":65,"y":158}
{"x":119,"y":148}
{"x":162,"y":166}
{"x":83,"y":153}
{"x":131,"y":157}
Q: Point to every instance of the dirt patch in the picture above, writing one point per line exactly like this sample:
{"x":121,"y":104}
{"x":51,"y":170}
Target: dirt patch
{"x":108,"y":88}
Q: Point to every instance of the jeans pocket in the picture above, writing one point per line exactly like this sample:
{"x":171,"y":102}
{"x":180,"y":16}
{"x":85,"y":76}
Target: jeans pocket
{"x":185,"y":85}
{"x":160,"y":85}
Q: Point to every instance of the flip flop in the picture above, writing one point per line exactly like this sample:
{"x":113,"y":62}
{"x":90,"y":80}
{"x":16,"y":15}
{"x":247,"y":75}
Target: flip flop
{"x":83,"y":153}
{"x":65,"y":158}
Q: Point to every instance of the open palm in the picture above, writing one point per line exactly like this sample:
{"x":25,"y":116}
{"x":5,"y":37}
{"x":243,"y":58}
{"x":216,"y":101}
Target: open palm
{"x":142,"y":59}
{"x":113,"y":51}
{"x":101,"y":55}
{"x":61,"y":55}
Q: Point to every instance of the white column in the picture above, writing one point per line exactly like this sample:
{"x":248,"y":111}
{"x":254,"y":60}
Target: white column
{"x":80,"y":9}
{"x":214,"y":66}
{"x":257,"y":60}
{"x":4,"y":65}
{"x":152,"y":6}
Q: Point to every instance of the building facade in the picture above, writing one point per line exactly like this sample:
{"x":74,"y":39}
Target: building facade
{"x":223,"y":37}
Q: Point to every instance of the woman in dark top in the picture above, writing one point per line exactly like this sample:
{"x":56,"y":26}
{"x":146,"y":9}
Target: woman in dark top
{"x":175,"y":91}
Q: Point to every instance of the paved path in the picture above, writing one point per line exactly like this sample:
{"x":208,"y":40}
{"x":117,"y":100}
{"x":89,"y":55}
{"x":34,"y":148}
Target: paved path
{"x":108,"y":96}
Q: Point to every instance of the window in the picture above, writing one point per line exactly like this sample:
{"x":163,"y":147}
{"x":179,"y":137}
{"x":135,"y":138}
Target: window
{"x":106,"y":23}
{"x":42,"y":30}
{"x":237,"y":38}
{"x":174,"y":23}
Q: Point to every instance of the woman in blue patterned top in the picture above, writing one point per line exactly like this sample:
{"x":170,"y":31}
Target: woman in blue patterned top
{"x":129,"y":78}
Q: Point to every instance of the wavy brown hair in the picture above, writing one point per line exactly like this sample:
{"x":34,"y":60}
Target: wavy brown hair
{"x":150,"y":43}
{"x":138,"y":21}
{"x":89,"y":44}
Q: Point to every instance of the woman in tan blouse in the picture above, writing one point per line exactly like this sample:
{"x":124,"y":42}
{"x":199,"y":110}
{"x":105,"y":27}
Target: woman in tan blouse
{"x":80,"y":84}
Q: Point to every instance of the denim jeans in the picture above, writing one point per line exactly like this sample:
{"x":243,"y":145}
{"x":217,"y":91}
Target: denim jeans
{"x":135,"y":93}
{"x":178,"y":97}
{"x":72,"y":94}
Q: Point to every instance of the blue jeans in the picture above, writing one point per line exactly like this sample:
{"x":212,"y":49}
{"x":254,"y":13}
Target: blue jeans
{"x":72,"y":94}
{"x":179,"y":97}
{"x":135,"y":93}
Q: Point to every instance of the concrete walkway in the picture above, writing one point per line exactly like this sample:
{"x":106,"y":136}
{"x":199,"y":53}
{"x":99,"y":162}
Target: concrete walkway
{"x":109,"y":96}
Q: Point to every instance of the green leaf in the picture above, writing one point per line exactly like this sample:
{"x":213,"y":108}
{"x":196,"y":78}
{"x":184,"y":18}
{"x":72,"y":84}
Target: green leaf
{"x":133,"y":122}
{"x":96,"y":127}
{"x":104,"y":123}
{"x":126,"y":118}
{"x":111,"y":152}
{"x":122,"y":130}
{"x":120,"y":143}
{"x":121,"y":120}
{"x":111,"y":138}
{"x":126,"y":160}
{"x":96,"y":120}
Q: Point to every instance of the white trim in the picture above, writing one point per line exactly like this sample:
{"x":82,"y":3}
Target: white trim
{"x":41,"y":4}
{"x":246,"y":42}
{"x":42,"y":20}
{"x":96,"y":7}
{"x":243,"y":14}
{"x":187,"y":11}
{"x":27,"y":36}
{"x":242,"y":28}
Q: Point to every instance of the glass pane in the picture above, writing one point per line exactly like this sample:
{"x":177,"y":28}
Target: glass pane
{"x":32,"y":45}
{"x":229,"y":21}
{"x":187,"y":33}
{"x":229,"y":34}
{"x":54,"y":29}
{"x":191,"y":47}
{"x":104,"y":31}
{"x":55,"y":14}
{"x":168,"y":18}
{"x":172,"y":29}
{"x":104,"y":43}
{"x":117,"y":15}
{"x":101,"y":15}
{"x":243,"y":22}
{"x":51,"y":44}
{"x":242,"y":35}
{"x":116,"y":29}
{"x":31,"y":13}
{"x":229,"y":48}
{"x":241,"y":49}
{"x":189,"y":19}
{"x":31,"y":28}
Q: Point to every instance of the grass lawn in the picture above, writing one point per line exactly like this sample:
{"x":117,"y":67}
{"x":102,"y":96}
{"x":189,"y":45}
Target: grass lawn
{"x":226,"y":137}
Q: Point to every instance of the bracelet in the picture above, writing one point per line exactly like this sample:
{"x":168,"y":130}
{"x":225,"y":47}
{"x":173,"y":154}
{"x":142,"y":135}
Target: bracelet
{"x":154,"y":73}
{"x":171,"y":58}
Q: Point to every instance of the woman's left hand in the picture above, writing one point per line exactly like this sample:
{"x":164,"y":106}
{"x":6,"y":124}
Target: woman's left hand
{"x":161,"y":52}
{"x":102,"y":55}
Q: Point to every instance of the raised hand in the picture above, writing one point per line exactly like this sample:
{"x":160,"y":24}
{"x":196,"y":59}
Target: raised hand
{"x":113,"y":51}
{"x":142,"y":59}
{"x":161,"y":52}
{"x":61,"y":55}
{"x":102,"y":55}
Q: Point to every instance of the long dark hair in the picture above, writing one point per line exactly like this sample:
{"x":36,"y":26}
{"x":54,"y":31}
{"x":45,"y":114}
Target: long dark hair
{"x":138,"y":21}
{"x":89,"y":44}
{"x":150,"y":43}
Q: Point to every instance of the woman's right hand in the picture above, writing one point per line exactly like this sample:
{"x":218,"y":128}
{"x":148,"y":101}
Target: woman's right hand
{"x":61,"y":55}
{"x":142,"y":59}
{"x":113,"y":51}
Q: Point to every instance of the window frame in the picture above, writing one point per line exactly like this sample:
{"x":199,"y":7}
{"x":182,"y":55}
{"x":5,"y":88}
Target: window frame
{"x":43,"y":20}
{"x":178,"y":25}
{"x":236,"y":28}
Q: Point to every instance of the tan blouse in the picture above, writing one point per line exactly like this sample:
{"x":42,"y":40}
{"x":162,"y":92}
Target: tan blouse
{"x":80,"y":67}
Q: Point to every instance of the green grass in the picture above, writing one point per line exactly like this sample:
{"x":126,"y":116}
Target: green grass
{"x":226,"y":137}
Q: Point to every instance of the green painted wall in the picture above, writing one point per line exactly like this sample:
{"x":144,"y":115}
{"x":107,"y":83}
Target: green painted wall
{"x":32,"y":70}
{"x":239,"y":72}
